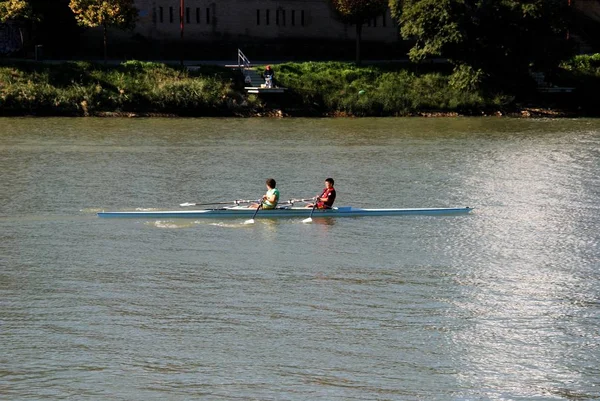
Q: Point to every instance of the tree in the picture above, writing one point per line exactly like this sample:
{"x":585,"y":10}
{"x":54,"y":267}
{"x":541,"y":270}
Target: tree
{"x":18,"y":11}
{"x":359,"y":12}
{"x":496,"y":37}
{"x":14,"y":10}
{"x":120,"y":14}
{"x":48,"y":22}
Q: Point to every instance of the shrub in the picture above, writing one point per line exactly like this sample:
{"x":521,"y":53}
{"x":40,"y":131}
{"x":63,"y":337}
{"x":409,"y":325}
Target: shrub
{"x":81,"y":88}
{"x":584,"y":64}
{"x":380,"y":91}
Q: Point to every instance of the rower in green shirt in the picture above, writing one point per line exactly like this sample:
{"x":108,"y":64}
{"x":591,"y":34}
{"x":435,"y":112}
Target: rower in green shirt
{"x":270,"y":199}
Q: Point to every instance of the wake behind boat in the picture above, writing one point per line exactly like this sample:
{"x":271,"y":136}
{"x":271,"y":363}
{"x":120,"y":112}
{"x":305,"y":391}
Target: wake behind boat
{"x":282,"y":211}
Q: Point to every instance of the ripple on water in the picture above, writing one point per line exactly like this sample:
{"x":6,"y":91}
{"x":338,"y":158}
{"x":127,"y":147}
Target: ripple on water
{"x":498,"y":304}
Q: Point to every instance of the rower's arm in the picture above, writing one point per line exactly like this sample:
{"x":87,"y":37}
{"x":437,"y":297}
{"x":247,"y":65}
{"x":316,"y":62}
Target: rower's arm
{"x":323,"y":198}
{"x":269,"y":198}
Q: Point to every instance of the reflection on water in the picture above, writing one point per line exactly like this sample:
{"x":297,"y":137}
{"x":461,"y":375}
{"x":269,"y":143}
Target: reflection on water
{"x":498,"y":304}
{"x":264,"y":223}
{"x":325,"y":221}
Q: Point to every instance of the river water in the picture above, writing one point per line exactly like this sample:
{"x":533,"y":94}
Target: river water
{"x":500,"y":304}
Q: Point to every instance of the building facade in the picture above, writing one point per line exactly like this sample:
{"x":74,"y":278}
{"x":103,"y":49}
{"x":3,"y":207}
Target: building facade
{"x":207,"y":20}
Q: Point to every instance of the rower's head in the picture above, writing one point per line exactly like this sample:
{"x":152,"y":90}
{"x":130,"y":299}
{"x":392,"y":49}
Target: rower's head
{"x":329,"y":182}
{"x":271,"y":183}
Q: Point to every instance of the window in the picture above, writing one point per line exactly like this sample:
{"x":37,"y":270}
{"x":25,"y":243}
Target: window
{"x":161,"y":15}
{"x":302,"y":17}
{"x":293,"y":17}
{"x":208,"y":15}
{"x":267,"y":17}
{"x":257,"y":17}
{"x":187,"y":15}
{"x":277,"y":17}
{"x":383,"y":20}
{"x":283,"y":17}
{"x":198,"y":15}
{"x":171,"y":15}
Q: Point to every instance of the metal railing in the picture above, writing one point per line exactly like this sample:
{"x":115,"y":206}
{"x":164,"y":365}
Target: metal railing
{"x":243,"y":62}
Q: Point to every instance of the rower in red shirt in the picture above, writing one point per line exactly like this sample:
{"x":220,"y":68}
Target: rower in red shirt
{"x":327,"y":197}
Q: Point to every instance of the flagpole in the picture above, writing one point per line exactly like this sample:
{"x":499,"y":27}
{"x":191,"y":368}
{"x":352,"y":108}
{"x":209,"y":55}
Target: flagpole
{"x":181,"y":26}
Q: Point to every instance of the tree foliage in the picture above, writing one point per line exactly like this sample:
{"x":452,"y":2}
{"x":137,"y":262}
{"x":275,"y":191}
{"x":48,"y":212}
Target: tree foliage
{"x":105,"y":13}
{"x":495,"y":36}
{"x":20,"y":11}
{"x":359,"y":12}
{"x":15,"y":10}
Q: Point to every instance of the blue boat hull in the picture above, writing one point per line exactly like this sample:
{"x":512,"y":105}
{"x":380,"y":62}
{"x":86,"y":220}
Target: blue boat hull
{"x":241,"y":212}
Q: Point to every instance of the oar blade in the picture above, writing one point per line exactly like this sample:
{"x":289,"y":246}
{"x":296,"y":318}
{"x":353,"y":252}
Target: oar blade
{"x":251,"y":221}
{"x":314,"y":206}
{"x":186,"y":204}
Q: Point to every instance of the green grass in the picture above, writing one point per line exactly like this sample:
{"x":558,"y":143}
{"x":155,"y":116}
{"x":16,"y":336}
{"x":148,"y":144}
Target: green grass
{"x":81,"y":88}
{"x":376,"y":91}
{"x":314,"y":88}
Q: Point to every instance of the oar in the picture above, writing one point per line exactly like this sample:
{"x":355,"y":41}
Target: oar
{"x":206,"y":204}
{"x":309,"y":220}
{"x":292,"y":201}
{"x":235,"y":202}
{"x":251,"y":221}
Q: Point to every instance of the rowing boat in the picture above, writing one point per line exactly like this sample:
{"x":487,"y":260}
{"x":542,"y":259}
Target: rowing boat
{"x":244,"y":212}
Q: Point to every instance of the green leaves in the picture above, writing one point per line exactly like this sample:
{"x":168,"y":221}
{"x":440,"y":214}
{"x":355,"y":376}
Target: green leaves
{"x":83,"y":88}
{"x":117,"y":13}
{"x":359,"y":11}
{"x":346,"y":89}
{"x":14,"y":10}
{"x":105,"y":13}
{"x":496,"y":37}
{"x":434,"y":24}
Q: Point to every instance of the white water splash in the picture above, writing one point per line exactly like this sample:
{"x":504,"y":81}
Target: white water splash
{"x":169,"y":224}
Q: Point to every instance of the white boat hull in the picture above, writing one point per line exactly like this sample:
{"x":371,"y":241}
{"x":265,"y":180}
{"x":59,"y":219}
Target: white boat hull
{"x":244,"y":212}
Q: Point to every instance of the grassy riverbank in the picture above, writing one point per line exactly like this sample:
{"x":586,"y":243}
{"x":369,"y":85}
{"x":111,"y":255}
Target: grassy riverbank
{"x":383,"y":90}
{"x":82,"y":88}
{"x":315,"y":89}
